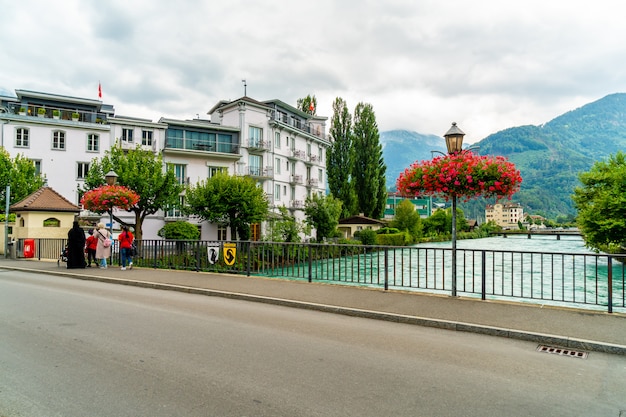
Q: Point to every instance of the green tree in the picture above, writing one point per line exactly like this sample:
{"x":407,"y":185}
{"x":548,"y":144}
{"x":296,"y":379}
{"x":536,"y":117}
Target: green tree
{"x":408,"y":219}
{"x":179,"y":230}
{"x":308,"y":105}
{"x":141,"y":171}
{"x":20,"y":174}
{"x":231,"y":200}
{"x":340,"y":158}
{"x":322,"y":213}
{"x":369,"y":167}
{"x":601,"y":204}
{"x":286,"y":228}
{"x":440,"y":223}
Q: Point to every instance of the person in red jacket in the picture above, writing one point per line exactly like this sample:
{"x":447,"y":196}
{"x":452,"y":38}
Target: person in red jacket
{"x":90,"y":247}
{"x":126,"y":241}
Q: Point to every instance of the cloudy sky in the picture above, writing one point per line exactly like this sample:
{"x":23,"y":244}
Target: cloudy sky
{"x":422,"y":64}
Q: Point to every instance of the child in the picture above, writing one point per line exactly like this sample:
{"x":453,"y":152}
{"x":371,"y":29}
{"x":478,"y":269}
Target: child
{"x":90,"y":247}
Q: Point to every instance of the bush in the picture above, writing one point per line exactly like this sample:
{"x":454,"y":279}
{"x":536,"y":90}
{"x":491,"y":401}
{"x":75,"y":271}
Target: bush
{"x":396,"y":239}
{"x":367,"y":236}
{"x":179,"y":230}
{"x":387,"y":231}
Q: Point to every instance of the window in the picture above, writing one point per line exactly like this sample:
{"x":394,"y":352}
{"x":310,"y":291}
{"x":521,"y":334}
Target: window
{"x":52,"y":222}
{"x":254,"y":163}
{"x":277,"y":140}
{"x":37,"y":163}
{"x":93,"y":142}
{"x":146,"y":137}
{"x":127,"y":135}
{"x":82,"y":168}
{"x":180,"y":171}
{"x":175,"y":211}
{"x":221,"y":232}
{"x":320,"y":176}
{"x":255,"y":135}
{"x":21,"y":137}
{"x":215,"y":170}
{"x":58,"y":140}
{"x":277,"y":165}
{"x":277,"y":192}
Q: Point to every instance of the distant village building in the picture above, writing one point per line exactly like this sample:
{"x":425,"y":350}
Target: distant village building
{"x":350,"y":225}
{"x":505,"y":215}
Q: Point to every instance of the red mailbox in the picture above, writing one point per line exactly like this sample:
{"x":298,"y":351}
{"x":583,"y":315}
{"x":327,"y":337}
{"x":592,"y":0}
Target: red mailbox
{"x":29,"y":248}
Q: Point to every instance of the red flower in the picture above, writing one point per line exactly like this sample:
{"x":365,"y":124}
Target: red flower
{"x":463,"y":174}
{"x":104,"y":198}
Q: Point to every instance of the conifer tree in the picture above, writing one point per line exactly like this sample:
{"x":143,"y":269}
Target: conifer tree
{"x":368,"y":172}
{"x":340,"y":158}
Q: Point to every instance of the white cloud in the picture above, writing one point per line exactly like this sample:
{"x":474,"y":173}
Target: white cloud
{"x":486,"y":64}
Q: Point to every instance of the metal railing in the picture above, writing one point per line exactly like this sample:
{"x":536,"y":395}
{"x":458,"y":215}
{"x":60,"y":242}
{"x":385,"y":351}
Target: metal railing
{"x":595,"y":281}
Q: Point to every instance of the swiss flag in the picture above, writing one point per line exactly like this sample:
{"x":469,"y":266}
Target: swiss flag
{"x":99,"y":90}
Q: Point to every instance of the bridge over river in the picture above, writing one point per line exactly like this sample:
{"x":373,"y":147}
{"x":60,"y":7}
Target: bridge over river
{"x":541,"y":232}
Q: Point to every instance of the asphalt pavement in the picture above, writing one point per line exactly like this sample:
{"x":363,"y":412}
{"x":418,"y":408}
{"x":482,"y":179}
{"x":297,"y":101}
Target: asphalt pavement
{"x":568,"y":328}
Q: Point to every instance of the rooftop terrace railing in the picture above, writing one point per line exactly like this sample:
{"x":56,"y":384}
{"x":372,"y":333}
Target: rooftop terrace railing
{"x":581,"y":280}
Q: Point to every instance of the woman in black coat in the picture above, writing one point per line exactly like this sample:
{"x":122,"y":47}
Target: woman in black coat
{"x":76,"y":247}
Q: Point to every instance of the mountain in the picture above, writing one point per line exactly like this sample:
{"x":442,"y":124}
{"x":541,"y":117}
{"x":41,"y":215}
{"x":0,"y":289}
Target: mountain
{"x":401,"y":148}
{"x":549,"y":156}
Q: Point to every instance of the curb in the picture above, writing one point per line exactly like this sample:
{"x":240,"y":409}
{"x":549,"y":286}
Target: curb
{"x":548,"y":339}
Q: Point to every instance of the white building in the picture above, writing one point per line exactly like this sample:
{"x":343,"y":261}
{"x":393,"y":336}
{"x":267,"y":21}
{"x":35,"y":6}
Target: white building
{"x":280,"y":146}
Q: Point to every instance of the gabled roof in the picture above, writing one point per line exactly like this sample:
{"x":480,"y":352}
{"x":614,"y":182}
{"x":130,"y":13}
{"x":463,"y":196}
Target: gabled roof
{"x":360,"y":220}
{"x":225,"y":103}
{"x":45,"y":199}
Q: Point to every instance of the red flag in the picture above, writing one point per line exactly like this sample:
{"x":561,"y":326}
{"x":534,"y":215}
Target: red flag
{"x":99,"y":90}
{"x":311,"y":106}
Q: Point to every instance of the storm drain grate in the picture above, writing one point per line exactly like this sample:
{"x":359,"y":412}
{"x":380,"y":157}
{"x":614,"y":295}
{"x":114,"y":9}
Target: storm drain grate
{"x":563,"y":352}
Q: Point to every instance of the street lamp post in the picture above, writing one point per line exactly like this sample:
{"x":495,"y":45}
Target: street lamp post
{"x":111,"y":178}
{"x":454,"y":143}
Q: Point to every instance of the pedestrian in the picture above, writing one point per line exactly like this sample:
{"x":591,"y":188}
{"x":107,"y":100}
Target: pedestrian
{"x":126,"y":241}
{"x":102,"y":251}
{"x":90,"y":247}
{"x":76,"y":246}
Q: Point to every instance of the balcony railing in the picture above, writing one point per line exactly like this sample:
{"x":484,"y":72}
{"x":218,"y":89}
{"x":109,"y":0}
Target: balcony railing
{"x":260,"y":145}
{"x":296,"y":204}
{"x":57,"y":113}
{"x":201,"y":146}
{"x":312,"y":182}
{"x":258,"y":172}
{"x":297,"y":124}
{"x":295,"y":179}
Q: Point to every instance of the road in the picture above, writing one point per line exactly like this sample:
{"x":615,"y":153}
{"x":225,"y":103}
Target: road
{"x":81,"y":348}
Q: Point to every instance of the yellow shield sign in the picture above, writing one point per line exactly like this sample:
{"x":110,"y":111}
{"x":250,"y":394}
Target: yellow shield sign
{"x":230,"y":253}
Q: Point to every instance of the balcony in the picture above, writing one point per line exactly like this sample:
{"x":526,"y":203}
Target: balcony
{"x":296,"y":204}
{"x":176,"y":143}
{"x":300,"y":125}
{"x":260,"y":173}
{"x":312,"y":182}
{"x":295,"y":179}
{"x":297,"y":154}
{"x":57,"y":113}
{"x":258,"y":145}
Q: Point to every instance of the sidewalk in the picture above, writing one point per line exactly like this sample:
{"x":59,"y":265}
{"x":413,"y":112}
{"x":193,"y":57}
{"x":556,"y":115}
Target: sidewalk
{"x":569,"y":328}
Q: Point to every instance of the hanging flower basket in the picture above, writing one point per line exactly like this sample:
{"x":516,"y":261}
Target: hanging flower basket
{"x":104,"y":198}
{"x":464,"y":175}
